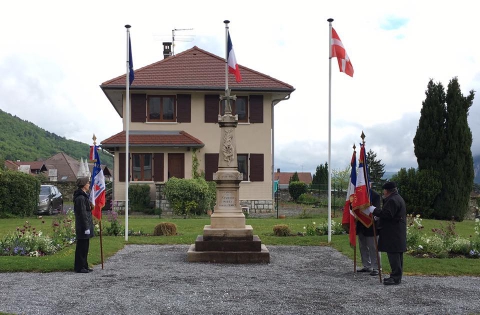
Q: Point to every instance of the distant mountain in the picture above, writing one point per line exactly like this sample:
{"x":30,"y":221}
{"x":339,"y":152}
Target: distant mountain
{"x":476,"y":169}
{"x":24,"y":141}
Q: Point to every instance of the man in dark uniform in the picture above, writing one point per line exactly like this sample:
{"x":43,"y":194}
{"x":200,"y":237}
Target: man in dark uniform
{"x":366,"y":241}
{"x":83,"y":225}
{"x":393,"y":234}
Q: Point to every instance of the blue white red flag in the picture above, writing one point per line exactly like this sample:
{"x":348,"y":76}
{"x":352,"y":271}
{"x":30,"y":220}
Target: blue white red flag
{"x":348,"y":215}
{"x":97,"y":187}
{"x":232,"y":61}
{"x":361,"y":200}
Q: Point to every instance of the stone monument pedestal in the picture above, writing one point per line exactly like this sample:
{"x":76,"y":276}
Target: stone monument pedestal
{"x":227,"y":239}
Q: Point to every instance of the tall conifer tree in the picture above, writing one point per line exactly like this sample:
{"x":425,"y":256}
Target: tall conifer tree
{"x":429,"y":141}
{"x":457,"y":174}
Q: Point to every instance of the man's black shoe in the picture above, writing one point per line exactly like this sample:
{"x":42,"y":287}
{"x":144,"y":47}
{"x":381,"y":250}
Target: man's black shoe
{"x":391,"y":281}
{"x":83,"y":270}
{"x":374,"y":272}
{"x":364,"y":269}
{"x":90,"y":269}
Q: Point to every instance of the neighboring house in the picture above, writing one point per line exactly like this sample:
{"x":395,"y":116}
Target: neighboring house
{"x":33,"y":168}
{"x":284,"y":178}
{"x":174,"y":111}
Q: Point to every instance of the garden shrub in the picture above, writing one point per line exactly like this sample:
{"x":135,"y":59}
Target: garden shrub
{"x":322,"y":229}
{"x":190,"y":196}
{"x":115,"y":228}
{"x":281,"y":230}
{"x":296,"y":189}
{"x":460,"y":246}
{"x":165,"y":228}
{"x":18,"y":194}
{"x":139,"y":196}
{"x":308,"y":199}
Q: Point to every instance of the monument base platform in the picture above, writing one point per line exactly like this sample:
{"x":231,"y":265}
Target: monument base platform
{"x":233,"y":257}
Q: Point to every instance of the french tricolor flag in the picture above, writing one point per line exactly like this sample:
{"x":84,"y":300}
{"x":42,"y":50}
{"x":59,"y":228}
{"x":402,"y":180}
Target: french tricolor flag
{"x":232,"y":61}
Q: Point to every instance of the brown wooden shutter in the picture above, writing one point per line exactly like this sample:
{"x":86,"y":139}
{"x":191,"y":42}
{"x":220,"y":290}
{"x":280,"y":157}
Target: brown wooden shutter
{"x":256,"y":108}
{"x":158,"y":169}
{"x":211,"y":165}
{"x":139,"y":107}
{"x":184,"y":108}
{"x":121,"y":167}
{"x":211,"y":108}
{"x":256,"y":167}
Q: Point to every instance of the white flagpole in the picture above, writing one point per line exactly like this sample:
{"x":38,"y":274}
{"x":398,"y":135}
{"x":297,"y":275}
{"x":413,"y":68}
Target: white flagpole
{"x":226,"y":55}
{"x":329,"y":129}
{"x":127,"y":130}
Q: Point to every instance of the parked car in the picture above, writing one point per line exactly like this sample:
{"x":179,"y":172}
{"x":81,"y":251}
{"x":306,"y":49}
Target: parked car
{"x":49,"y":200}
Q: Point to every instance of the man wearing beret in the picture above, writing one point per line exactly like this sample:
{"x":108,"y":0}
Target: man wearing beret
{"x":393,"y":234}
{"x":83,"y":224}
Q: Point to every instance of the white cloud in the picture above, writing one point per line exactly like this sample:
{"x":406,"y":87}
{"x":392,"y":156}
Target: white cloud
{"x":55,"y":55}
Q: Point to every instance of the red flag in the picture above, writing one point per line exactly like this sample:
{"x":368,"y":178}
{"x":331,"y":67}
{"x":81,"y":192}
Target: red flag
{"x":339,"y":51}
{"x":91,"y":156}
{"x":97,"y":187}
{"x":232,"y":61}
{"x":348,"y":215}
{"x":361,"y":200}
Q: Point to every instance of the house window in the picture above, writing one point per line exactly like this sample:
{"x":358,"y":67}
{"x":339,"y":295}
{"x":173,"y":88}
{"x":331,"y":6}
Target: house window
{"x":239,"y":107}
{"x":142,"y":166}
{"x":161,"y":108}
{"x":242,"y":161}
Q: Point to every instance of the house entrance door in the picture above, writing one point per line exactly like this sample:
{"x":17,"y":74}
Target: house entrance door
{"x":176,"y":165}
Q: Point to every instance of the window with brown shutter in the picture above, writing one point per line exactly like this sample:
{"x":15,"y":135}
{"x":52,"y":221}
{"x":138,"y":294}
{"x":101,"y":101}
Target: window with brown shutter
{"x":211,"y":108}
{"x":121,"y":167}
{"x":161,"y":108}
{"x":137,"y":110}
{"x":211,"y":165}
{"x":158,"y":167}
{"x":184,"y":108}
{"x":256,"y":108}
{"x":256,"y":167}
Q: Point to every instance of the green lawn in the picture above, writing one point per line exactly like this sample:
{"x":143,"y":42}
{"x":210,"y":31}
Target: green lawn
{"x":188,"y":229}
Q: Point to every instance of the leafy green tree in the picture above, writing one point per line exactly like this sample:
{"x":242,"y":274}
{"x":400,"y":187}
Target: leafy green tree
{"x":376,"y":169}
{"x":457,"y":174}
{"x":340,"y":178}
{"x":320,"y":178}
{"x":294,"y":178}
{"x":296,"y":189}
{"x":419,"y":188}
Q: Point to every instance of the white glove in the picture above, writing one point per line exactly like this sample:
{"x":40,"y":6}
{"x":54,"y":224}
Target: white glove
{"x":87,"y":232}
{"x":371,"y":208}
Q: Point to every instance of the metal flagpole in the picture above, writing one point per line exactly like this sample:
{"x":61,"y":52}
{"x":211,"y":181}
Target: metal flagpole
{"x":127,"y":130}
{"x":329,"y":129}
{"x":226,"y":55}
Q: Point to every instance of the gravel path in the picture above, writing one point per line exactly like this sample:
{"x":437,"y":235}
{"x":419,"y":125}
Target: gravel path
{"x":155,"y":279}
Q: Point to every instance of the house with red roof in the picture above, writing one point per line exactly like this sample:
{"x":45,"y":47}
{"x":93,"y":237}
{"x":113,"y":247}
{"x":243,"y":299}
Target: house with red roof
{"x":173,"y":122}
{"x":284,"y":178}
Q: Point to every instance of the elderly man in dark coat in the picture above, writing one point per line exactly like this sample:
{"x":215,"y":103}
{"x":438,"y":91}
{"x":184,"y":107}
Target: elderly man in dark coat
{"x":83,"y":224}
{"x":393,"y":231}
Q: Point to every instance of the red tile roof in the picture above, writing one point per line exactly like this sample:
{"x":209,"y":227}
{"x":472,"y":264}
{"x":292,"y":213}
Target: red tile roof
{"x":153,"y":138}
{"x":196,"y":68}
{"x":284,"y":177}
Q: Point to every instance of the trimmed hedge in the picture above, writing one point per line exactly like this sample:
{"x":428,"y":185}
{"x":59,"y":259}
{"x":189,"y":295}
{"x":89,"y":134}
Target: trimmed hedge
{"x":18,"y":194}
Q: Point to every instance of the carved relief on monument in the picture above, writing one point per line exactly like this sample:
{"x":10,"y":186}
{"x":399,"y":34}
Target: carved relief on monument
{"x":228,"y":148}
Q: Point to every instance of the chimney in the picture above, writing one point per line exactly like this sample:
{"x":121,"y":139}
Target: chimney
{"x":167,"y":49}
{"x":278,"y":170}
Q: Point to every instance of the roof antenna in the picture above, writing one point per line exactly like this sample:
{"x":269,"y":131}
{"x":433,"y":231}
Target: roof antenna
{"x":182,"y":40}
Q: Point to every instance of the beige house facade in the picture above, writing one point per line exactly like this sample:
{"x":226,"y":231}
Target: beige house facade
{"x":174,"y":109}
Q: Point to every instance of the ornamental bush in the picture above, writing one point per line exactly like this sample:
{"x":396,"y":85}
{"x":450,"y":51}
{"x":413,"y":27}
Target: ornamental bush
{"x":281,"y":230}
{"x":190,"y":196}
{"x":165,"y":228}
{"x":296,"y":189}
{"x":139,"y":196}
{"x":18,"y":194}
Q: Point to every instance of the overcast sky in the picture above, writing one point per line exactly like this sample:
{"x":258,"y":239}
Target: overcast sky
{"x":55,"y":54}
